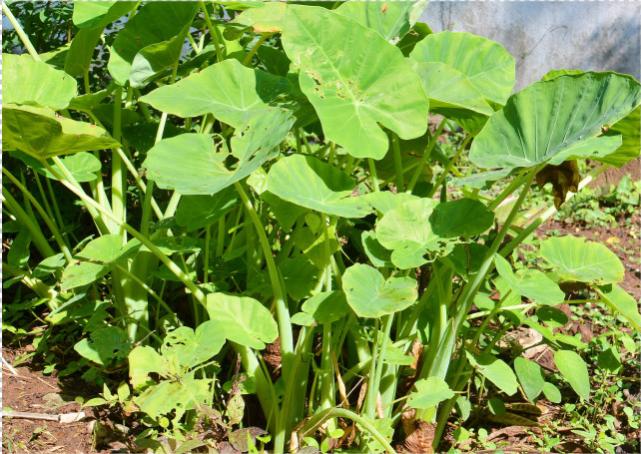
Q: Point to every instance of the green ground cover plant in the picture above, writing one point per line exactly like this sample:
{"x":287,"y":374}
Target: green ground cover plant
{"x":243,"y":220}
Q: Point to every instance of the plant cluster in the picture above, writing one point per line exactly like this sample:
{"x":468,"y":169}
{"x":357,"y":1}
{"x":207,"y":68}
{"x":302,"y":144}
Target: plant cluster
{"x":253,"y":222}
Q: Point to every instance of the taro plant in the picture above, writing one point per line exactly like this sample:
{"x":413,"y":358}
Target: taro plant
{"x":256,"y":193}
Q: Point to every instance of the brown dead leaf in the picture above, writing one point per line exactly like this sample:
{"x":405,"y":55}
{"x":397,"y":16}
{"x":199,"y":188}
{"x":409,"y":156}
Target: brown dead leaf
{"x":564,"y":178}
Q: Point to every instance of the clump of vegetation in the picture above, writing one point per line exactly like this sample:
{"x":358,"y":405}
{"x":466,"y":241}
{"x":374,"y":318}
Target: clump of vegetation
{"x":252,"y":231}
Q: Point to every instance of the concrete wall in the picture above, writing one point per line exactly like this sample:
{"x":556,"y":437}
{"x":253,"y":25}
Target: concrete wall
{"x":551,"y":35}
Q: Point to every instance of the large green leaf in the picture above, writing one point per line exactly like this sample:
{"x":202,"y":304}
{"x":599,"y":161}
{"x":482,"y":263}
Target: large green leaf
{"x":530,"y":376}
{"x":575,"y":259}
{"x":371,"y":296}
{"x":356,"y":92}
{"x":150,"y":42}
{"x":197,"y":211}
{"x":407,"y":232}
{"x":233,"y":93}
{"x":242,"y":320}
{"x":91,"y":14}
{"x":41,"y":133}
{"x":391,"y":19}
{"x":462,"y":217}
{"x":33,"y":82}
{"x":575,"y":371}
{"x":189,"y":163}
{"x":557,"y":120}
{"x":83,"y":45}
{"x":630,"y":130}
{"x":311,"y":183}
{"x":483,"y":63}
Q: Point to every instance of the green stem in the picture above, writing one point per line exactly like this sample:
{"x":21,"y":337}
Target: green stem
{"x":373,"y":174}
{"x":213,"y":32}
{"x":426,"y":155}
{"x":398,"y":164}
{"x":20,"y":31}
{"x":250,"y":55}
{"x":118,"y":194}
{"x":23,"y":218}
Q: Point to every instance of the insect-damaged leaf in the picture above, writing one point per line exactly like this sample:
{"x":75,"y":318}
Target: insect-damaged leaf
{"x":353,"y":92}
{"x":311,"y":183}
{"x":371,"y":296}
{"x":391,"y":19}
{"x":557,"y":120}
{"x":39,"y":132}
{"x":189,"y":163}
{"x":575,"y":259}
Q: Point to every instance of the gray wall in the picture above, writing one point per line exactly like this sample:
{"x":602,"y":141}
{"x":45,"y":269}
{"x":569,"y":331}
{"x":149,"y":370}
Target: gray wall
{"x":550,"y":35}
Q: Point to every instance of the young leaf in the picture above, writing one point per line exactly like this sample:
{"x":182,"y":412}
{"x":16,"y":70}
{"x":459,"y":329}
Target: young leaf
{"x":429,"y":392}
{"x":35,"y":83}
{"x":326,"y":307}
{"x":377,"y":88}
{"x":532,"y":284}
{"x":104,"y":346}
{"x":556,"y":120}
{"x":531,"y":377}
{"x":575,"y":372}
{"x":371,"y":296}
{"x":242,"y":320}
{"x":551,"y":393}
{"x":496,"y":371}
{"x":576,"y":259}
{"x":311,"y":183}
{"x":623,"y":303}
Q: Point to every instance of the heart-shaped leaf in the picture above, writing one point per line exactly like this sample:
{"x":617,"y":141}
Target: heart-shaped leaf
{"x":189,"y":164}
{"x":313,"y":184}
{"x":352,"y":96}
{"x":485,"y":64}
{"x":576,"y":259}
{"x":625,"y":304}
{"x":557,"y":120}
{"x":371,"y":296}
{"x":530,"y":376}
{"x":496,"y":371}
{"x":463,"y":217}
{"x":429,"y":392}
{"x":532,"y":284}
{"x":242,"y":320}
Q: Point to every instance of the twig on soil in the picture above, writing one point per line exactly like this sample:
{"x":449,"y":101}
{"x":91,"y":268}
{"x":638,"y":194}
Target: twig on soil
{"x":9,"y":367}
{"x":64,"y":418}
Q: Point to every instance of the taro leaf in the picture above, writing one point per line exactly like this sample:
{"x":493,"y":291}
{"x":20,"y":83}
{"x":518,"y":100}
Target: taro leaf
{"x":577,"y":260}
{"x":326,"y":307}
{"x":452,"y":94}
{"x":150,"y":41}
{"x":551,"y":393}
{"x":311,"y":183}
{"x":83,"y":166}
{"x":233,"y":93}
{"x":18,"y":255}
{"x":40,"y":133}
{"x":554,"y":73}
{"x":91,"y":14}
{"x":189,"y":164}
{"x":532,"y":284}
{"x":79,"y":274}
{"x":467,"y":258}
{"x":144,"y":360}
{"x":429,"y":392}
{"x":630,"y":130}
{"x":376,"y":253}
{"x":557,"y":120}
{"x":531,"y":377}
{"x":391,"y":19}
{"x":168,"y":396}
{"x":352,"y":97}
{"x":242,"y":320}
{"x":384,"y":201}
{"x":574,"y":370}
{"x":286,"y":213}
{"x":301,"y":276}
{"x":197,"y":211}
{"x":624,"y":304}
{"x":496,"y":371}
{"x":104,"y":346}
{"x":107,"y":249}
{"x":371,"y":296}
{"x":184,"y":349}
{"x":406,"y":231}
{"x":463,"y":217}
{"x":32,"y":82}
{"x":81,"y":50}
{"x":484,"y":63}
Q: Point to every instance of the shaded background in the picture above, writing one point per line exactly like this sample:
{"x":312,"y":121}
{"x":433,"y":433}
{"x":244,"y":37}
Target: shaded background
{"x":550,"y":35}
